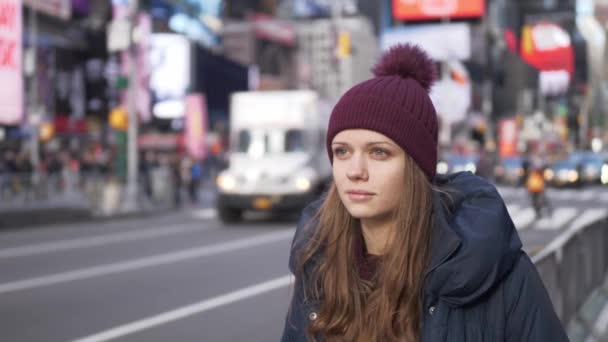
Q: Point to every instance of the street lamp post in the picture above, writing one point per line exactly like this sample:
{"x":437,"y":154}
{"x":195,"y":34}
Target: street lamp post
{"x":130,"y":203}
{"x":33,"y":110}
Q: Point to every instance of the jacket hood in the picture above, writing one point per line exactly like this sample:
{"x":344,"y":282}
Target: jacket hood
{"x":474,"y":243}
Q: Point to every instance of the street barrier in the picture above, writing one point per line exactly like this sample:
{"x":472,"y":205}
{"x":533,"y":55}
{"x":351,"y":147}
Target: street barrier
{"x":574,"y":265}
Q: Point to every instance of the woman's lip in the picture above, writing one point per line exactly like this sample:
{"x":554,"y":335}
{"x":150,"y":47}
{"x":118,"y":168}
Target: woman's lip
{"x":359,"y":192}
{"x":359,"y":196}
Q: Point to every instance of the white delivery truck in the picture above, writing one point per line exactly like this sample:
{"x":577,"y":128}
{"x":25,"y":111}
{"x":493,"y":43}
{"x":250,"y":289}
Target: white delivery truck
{"x":277,"y":155}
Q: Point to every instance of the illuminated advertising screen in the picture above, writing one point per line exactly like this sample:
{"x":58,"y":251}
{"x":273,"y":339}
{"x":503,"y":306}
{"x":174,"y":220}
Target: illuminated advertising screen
{"x":436,"y":9}
{"x":170,"y":63}
{"x":11,"y":68}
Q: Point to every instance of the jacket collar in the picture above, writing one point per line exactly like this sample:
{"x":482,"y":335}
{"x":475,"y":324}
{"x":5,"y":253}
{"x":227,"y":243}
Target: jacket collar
{"x":444,"y":240}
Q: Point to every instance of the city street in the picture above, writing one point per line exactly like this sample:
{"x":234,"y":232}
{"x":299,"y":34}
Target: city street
{"x":185,"y":276}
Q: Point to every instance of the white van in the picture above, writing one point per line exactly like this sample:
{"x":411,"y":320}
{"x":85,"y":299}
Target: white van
{"x":277,"y":158}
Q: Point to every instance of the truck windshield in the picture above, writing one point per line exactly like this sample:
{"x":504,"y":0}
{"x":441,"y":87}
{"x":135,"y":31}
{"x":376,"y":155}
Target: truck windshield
{"x":294,"y":141}
{"x":244,"y":140}
{"x":259,"y":143}
{"x":254,"y":143}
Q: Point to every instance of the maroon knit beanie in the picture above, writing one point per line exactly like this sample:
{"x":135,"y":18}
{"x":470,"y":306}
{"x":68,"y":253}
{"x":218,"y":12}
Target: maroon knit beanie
{"x":395,"y":103}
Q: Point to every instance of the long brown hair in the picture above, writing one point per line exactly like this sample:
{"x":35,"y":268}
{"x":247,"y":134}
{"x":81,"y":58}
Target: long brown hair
{"x":389,"y":307}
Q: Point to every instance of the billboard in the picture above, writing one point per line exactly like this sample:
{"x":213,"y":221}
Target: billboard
{"x":443,"y":42}
{"x":196,"y":126}
{"x":436,"y":9}
{"x":11,"y":97}
{"x":170,"y":64}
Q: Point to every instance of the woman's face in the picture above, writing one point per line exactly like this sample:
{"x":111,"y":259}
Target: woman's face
{"x":368,"y":170}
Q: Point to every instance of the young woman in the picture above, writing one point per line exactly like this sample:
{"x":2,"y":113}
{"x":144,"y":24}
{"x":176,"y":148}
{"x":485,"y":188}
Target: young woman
{"x":395,"y":253}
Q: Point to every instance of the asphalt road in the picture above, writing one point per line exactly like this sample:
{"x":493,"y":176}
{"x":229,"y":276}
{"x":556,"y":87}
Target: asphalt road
{"x":185,"y":276}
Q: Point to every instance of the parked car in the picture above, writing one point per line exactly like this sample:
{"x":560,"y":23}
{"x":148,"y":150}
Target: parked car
{"x":566,"y":172}
{"x":451,"y":163}
{"x":510,"y":171}
{"x":594,"y":168}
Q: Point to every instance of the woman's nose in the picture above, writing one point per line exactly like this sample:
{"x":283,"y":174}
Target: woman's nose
{"x":357,"y":169}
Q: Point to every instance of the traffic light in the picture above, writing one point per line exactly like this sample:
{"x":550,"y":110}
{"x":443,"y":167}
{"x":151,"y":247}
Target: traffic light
{"x":343,"y":49}
{"x":47,"y":131}
{"x":118,"y":119}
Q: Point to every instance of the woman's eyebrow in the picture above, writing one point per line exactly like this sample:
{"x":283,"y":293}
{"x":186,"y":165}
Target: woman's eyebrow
{"x":379,"y":143}
{"x":367,"y":144}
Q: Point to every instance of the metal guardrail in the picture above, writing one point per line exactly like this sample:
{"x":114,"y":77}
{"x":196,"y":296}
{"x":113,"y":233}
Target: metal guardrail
{"x":574,"y":265}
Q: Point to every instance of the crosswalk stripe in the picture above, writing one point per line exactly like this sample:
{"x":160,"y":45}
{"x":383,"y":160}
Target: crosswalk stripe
{"x":560,"y":194}
{"x":523,"y":218}
{"x":604,"y":196}
{"x":586,"y":195}
{"x":558,"y":219}
{"x":513,"y":209}
{"x":508,"y":192}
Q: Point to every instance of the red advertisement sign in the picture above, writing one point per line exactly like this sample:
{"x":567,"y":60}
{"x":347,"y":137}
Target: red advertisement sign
{"x":547,"y":47}
{"x":11,"y":96}
{"x":434,"y":9}
{"x":507,"y":137}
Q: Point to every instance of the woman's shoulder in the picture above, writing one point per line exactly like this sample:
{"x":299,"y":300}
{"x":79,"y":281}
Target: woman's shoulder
{"x":527,"y":300}
{"x":305,"y":230}
{"x":523,"y":280}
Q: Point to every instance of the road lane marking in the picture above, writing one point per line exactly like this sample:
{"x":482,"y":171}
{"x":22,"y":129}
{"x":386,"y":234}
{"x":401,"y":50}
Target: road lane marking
{"x":523,"y":218}
{"x":95,"y":241}
{"x":189,"y":310}
{"x":560,"y":216}
{"x":137,"y":264}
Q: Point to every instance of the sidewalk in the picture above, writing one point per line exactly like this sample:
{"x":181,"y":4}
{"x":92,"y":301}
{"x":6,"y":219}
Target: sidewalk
{"x":76,"y":207}
{"x":591,"y":322}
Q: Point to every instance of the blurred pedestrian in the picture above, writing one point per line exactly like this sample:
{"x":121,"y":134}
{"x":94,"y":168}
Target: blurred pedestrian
{"x":535,"y":184}
{"x":195,"y":181}
{"x":25,"y":171}
{"x":9,"y":174}
{"x":394,"y":252}
{"x":176,"y":173}
{"x":146,"y":168}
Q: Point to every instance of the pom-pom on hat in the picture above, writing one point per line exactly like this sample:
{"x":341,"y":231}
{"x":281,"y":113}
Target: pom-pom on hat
{"x":396,"y":103}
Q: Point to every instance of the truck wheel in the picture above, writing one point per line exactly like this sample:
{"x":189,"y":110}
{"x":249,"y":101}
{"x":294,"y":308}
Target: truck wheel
{"x":230,"y":215}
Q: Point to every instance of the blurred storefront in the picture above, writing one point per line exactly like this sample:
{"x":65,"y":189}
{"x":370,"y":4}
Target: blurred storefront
{"x":265,"y":43}
{"x":63,"y":58}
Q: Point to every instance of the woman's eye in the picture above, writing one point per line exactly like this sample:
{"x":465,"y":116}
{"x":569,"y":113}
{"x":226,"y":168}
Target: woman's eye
{"x":380,"y":152}
{"x":340,"y":151}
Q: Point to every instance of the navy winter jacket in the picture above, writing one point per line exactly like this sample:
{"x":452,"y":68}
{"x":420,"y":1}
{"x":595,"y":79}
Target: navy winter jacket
{"x":479,"y":285}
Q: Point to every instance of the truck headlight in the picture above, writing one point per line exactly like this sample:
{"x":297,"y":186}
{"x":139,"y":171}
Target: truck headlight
{"x":442,"y":167}
{"x":572,"y":176}
{"x":604,"y":174}
{"x":226,"y":183}
{"x":303,"y":184}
